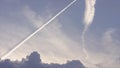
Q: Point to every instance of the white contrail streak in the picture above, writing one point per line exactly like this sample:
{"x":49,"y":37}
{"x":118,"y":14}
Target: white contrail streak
{"x":89,"y":12}
{"x":83,"y":42}
{"x":88,"y":18}
{"x":44,"y":25}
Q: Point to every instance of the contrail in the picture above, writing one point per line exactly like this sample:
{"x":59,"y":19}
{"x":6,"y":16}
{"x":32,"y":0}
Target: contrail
{"x":89,"y":12}
{"x":39,"y":29}
{"x":88,"y":18}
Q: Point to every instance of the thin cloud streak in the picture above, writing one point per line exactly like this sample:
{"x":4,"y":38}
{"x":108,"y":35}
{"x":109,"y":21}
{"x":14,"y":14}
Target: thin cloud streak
{"x":89,"y":12}
{"x":39,"y":29}
{"x":88,"y":18}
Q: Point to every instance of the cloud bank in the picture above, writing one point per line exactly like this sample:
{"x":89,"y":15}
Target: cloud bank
{"x":34,"y":61}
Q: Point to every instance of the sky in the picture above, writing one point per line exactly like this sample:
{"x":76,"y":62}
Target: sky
{"x":61,"y":39}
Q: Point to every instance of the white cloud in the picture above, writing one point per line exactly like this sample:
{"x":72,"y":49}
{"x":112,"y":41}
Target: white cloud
{"x":104,"y":49}
{"x":52,"y":43}
{"x":11,"y":33}
{"x":89,"y":11}
{"x":35,"y":19}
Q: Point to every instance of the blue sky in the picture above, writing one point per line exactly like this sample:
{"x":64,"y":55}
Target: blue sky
{"x":61,"y":40}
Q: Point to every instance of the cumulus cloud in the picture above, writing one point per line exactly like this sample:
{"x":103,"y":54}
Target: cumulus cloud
{"x":34,"y":61}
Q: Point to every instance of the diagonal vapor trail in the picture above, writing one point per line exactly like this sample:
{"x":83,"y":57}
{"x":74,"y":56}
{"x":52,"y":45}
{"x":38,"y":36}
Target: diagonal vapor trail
{"x":39,"y":29}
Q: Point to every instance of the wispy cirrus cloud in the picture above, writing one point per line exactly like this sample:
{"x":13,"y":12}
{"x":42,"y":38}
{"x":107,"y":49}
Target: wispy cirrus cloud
{"x":53,"y":44}
{"x":104,"y":49}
